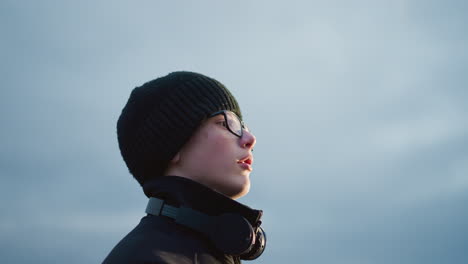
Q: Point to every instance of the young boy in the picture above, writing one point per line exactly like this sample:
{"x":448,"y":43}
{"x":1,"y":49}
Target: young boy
{"x":183,"y":139}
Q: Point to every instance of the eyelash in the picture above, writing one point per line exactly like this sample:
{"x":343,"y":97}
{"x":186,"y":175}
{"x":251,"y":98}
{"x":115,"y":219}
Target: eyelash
{"x":223,"y":123}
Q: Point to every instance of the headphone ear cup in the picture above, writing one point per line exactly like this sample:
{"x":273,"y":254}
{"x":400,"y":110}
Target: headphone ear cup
{"x":259,"y":246}
{"x":232,"y":234}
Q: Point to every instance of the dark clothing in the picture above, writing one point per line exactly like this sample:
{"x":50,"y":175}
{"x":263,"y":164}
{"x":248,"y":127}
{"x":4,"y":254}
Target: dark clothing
{"x":158,"y":239}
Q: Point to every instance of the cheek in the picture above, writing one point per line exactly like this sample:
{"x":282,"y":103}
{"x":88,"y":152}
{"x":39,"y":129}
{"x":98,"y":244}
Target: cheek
{"x":220,"y":149}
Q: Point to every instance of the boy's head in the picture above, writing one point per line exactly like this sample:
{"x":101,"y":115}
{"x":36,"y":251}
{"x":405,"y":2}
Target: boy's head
{"x":174,"y":125}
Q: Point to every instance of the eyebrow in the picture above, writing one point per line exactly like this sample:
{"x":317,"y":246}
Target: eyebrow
{"x":218,"y":116}
{"x":213,"y":119}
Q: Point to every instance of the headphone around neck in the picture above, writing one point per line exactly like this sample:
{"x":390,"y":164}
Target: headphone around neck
{"x":230,"y":233}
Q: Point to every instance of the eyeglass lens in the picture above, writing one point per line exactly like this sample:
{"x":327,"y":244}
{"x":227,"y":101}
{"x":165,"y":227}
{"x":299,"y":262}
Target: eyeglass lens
{"x":235,"y":125}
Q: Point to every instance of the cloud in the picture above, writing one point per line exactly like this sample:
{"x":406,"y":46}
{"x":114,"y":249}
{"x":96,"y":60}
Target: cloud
{"x":359,"y":110}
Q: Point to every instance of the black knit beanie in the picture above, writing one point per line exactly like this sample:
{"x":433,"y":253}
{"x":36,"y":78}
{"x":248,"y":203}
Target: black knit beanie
{"x":161,"y":115}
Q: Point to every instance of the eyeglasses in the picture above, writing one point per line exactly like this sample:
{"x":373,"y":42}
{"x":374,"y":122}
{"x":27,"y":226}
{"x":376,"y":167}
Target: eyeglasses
{"x":232,"y":122}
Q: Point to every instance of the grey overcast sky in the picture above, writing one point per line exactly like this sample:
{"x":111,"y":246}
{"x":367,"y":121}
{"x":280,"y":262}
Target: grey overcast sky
{"x":359,"y":108}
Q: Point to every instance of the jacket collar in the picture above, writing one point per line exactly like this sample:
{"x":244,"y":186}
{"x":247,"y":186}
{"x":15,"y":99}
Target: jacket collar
{"x":178,"y":191}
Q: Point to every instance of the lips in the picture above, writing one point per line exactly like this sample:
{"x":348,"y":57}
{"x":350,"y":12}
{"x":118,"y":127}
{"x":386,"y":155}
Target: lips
{"x":246,"y":162}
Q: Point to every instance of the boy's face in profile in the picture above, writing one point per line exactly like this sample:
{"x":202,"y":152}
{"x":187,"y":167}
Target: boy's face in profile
{"x":217,"y":158}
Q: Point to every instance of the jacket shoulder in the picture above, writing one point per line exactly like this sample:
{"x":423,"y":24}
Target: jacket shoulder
{"x":160,"y":240}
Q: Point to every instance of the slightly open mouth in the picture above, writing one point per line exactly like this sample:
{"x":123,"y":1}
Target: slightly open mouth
{"x":247,"y":161}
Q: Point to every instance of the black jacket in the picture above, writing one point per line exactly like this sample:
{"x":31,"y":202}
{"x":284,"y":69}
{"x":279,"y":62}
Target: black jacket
{"x":158,"y":239}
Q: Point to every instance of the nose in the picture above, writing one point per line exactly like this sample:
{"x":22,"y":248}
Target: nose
{"x":248,"y":140}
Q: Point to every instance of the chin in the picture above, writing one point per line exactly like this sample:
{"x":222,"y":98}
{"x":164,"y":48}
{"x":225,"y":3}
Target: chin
{"x":240,"y":191}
